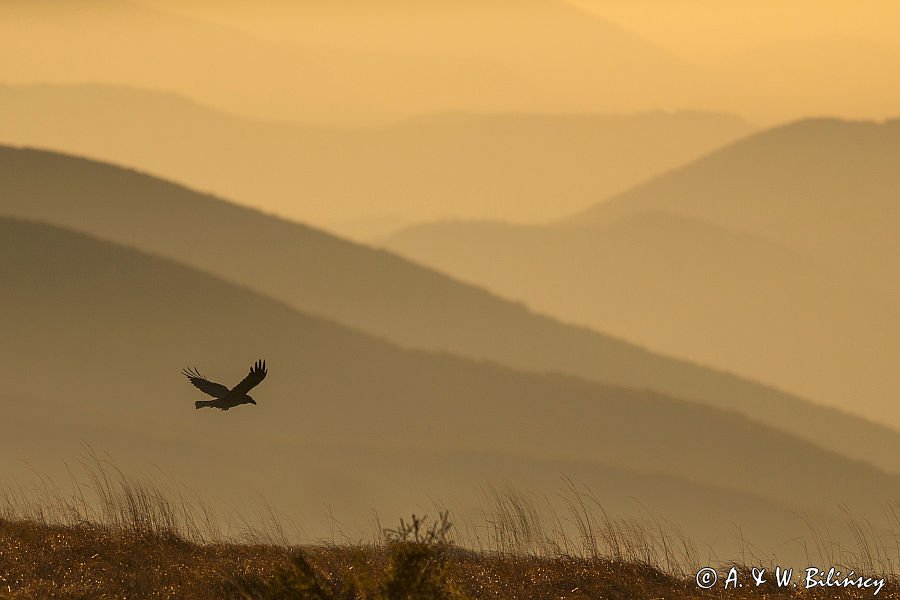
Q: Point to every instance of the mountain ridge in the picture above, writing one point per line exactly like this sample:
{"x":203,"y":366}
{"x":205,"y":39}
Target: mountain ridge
{"x":471,"y":164}
{"x":131,"y":306}
{"x":381,"y":293}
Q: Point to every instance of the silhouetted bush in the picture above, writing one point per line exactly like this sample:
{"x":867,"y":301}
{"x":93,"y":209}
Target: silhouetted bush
{"x":416,"y":566}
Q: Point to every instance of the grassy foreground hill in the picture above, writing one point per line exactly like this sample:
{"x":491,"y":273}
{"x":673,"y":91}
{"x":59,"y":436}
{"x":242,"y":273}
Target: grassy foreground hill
{"x":385,"y":295}
{"x":99,"y":562}
{"x":87,"y":562}
{"x":138,"y":542}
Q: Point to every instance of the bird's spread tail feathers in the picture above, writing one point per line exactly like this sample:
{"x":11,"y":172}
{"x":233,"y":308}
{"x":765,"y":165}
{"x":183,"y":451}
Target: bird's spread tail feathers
{"x":202,"y":403}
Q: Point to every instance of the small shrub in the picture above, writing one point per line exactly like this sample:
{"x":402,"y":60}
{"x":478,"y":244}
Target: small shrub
{"x":419,"y":566}
{"x":299,"y":581}
{"x":416,"y":567}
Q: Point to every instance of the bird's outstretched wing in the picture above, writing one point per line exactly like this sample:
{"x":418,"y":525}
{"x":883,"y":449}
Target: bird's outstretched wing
{"x":257,"y":373}
{"x":216,"y":390}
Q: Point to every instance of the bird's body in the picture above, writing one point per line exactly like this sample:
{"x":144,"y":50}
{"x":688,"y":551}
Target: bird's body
{"x":224,"y":403}
{"x":224,"y":398}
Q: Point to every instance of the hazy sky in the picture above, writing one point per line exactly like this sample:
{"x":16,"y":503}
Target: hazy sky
{"x":769,"y":60}
{"x":694,"y":29}
{"x":354,"y":62}
{"x":702,"y":30}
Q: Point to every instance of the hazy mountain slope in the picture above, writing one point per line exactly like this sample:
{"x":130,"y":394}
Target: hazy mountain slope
{"x":825,"y":186}
{"x":521,"y":168}
{"x":96,"y":335}
{"x":334,"y":80}
{"x":383,"y":294}
{"x":297,"y":479}
{"x":688,"y":288}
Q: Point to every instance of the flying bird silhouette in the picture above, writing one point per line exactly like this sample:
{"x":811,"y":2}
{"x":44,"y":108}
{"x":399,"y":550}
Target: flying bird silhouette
{"x":225,"y":398}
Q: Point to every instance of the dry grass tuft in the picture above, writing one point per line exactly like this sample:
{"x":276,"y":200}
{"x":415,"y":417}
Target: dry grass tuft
{"x":117,"y":538}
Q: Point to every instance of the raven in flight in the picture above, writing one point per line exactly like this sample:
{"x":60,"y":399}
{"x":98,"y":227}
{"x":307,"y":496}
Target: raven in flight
{"x":225,"y":398}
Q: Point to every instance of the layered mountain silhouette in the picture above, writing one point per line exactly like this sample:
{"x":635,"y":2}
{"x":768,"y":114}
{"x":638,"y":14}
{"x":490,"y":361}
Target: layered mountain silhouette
{"x":353,"y":73}
{"x":345,"y":63}
{"x":524,"y":168}
{"x":774,"y":258}
{"x":385,"y":295}
{"x":114,"y":326}
{"x":822,"y":186}
{"x":738,"y":63}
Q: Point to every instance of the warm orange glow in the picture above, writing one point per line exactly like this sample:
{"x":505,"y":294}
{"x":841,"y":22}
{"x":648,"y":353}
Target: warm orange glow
{"x":651,"y":245}
{"x":358,"y":62}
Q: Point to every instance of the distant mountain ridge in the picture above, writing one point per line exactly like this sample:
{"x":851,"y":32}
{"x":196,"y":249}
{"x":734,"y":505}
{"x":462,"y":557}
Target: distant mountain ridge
{"x":385,"y":295}
{"x":528,"y":167}
{"x":775,"y":257}
{"x":456,"y":63}
{"x":825,"y":186}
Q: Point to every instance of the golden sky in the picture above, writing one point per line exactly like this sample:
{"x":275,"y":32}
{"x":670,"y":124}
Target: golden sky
{"x":702,"y":30}
{"x":357,"y":61}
